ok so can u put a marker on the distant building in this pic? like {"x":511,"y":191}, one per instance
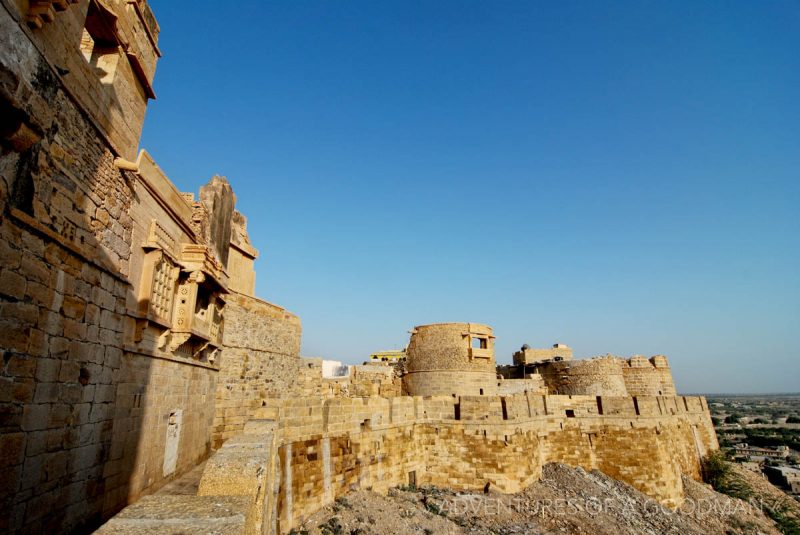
{"x":746,"y":450}
{"x":334,"y":368}
{"x":392,"y":355}
{"x":528,"y":355}
{"x":786,"y":477}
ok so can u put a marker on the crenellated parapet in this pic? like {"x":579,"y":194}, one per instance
{"x":603,"y":375}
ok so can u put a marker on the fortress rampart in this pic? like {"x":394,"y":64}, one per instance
{"x":321,"y":449}
{"x":596,"y":376}
{"x":651,"y":377}
{"x":608,"y":375}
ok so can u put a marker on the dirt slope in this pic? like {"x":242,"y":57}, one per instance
{"x":566,"y":500}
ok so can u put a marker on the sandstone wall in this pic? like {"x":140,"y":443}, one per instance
{"x":112,"y":88}
{"x":600,"y":376}
{"x":260,"y":361}
{"x":645,"y":377}
{"x":328,"y":447}
{"x":533,"y":383}
{"x":360,"y":381}
{"x":64,"y":244}
{"x":162,"y":424}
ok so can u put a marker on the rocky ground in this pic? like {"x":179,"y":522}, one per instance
{"x":565,"y":500}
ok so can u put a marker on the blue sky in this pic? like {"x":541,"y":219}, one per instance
{"x":622,"y":177}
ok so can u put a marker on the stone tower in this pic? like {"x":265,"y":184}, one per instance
{"x":451,"y":359}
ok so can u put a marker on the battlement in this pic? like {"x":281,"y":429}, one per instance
{"x":323,"y":448}
{"x":607,"y":375}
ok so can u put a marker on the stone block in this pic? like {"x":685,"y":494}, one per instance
{"x":73,"y":329}
{"x":59,"y":347}
{"x":40,"y":294}
{"x":59,"y":416}
{"x":92,"y":316}
{"x":14,"y":336}
{"x":19,"y":365}
{"x":73,"y":307}
{"x":33,"y":471}
{"x":12,"y":284}
{"x":9,"y":256}
{"x":47,"y":370}
{"x":12,"y":449}
{"x":10,"y":479}
{"x":35,"y":269}
{"x":50,"y":322}
{"x":38,"y":343}
{"x":47,"y":393}
{"x":26,"y":314}
{"x":186,"y":514}
{"x":69,"y":372}
{"x":110,"y":320}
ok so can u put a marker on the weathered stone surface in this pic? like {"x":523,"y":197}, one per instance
{"x":168,"y":515}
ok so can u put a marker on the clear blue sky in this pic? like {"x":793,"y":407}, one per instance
{"x":622,"y":177}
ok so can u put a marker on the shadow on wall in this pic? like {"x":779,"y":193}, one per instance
{"x":70,"y":399}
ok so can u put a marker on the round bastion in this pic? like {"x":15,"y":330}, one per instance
{"x":451,"y":359}
{"x":599,"y":376}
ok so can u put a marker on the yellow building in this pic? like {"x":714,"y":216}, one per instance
{"x":393,"y":355}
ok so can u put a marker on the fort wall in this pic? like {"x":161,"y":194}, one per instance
{"x":65,"y":236}
{"x":651,"y":377}
{"x":597,"y":376}
{"x":333,"y":446}
{"x":533,"y":384}
{"x":260,"y":360}
{"x":359,"y":381}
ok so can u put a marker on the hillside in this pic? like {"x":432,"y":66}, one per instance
{"x":565,"y":500}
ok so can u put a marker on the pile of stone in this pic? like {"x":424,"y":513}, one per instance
{"x":566,"y":500}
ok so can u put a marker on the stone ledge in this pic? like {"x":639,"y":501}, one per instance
{"x":181,"y":514}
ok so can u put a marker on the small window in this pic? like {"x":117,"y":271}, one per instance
{"x":480,"y":343}
{"x":570,"y":413}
